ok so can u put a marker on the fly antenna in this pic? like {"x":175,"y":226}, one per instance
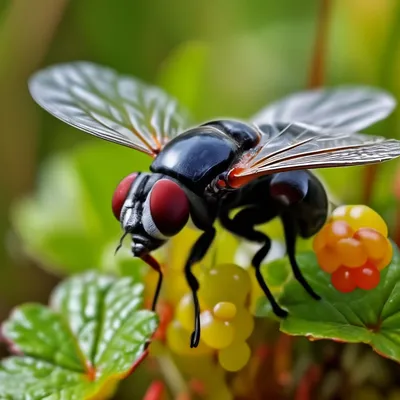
{"x":120,"y":242}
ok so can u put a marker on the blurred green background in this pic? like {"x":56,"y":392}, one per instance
{"x":220,"y":58}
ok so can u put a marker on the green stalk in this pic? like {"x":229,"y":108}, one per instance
{"x":171,"y":373}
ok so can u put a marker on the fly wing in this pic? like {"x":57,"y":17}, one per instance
{"x":348,"y":108}
{"x":108,"y":105}
{"x":300,"y":146}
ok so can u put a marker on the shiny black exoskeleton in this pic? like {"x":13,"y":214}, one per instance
{"x":197,"y":158}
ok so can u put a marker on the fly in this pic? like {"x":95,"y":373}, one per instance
{"x":206,"y":172}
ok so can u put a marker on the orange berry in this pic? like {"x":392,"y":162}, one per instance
{"x":375,"y":244}
{"x":351,"y":252}
{"x":338,"y":230}
{"x":328,"y":260}
{"x":387,"y":258}
{"x":320,"y":238}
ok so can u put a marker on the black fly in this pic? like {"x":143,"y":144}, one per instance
{"x":205,"y":172}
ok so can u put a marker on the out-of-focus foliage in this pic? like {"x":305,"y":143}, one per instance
{"x":77,"y":229}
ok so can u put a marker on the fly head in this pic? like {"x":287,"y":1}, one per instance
{"x":151,"y":209}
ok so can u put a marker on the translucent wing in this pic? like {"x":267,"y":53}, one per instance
{"x":114,"y":107}
{"x":349,"y":108}
{"x":300,"y":146}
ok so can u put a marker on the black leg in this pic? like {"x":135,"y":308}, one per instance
{"x":158,"y":289}
{"x":256,"y":262}
{"x":290,"y":230}
{"x":198,"y":251}
{"x":153,"y":263}
{"x":243,"y":225}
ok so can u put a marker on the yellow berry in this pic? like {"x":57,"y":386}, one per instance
{"x":178,"y":340}
{"x":351,"y":252}
{"x":234,"y":357}
{"x":185,"y":311}
{"x":214,"y":332}
{"x":243,"y":323}
{"x":338,"y":230}
{"x":224,"y":310}
{"x":360,"y":216}
{"x":225,"y":282}
{"x":340,"y":212}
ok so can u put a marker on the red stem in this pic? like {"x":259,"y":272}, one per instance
{"x":138,"y":362}
{"x":156,"y":391}
{"x":308,"y":382}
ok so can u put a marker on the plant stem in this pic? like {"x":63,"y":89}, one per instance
{"x":26,"y":34}
{"x":370,"y":174}
{"x":170,"y":372}
{"x":385,"y":81}
{"x":396,"y":234}
{"x":318,"y":59}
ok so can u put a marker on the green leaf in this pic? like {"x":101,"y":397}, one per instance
{"x":371,"y":317}
{"x":93,"y":335}
{"x":67,"y":224}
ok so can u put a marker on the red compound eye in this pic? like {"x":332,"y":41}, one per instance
{"x":169,"y":207}
{"x":120,"y":194}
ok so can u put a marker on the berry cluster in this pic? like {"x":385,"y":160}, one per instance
{"x":353,"y":247}
{"x":226,"y":322}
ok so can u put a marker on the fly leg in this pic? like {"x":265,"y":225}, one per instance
{"x":289,"y":226}
{"x":198,"y":251}
{"x":156,"y":267}
{"x":242,"y":225}
{"x":256,"y":262}
{"x":153,"y":263}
